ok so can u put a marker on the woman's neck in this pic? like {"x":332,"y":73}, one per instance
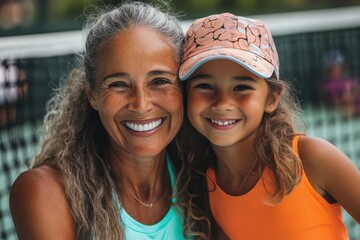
{"x":143,"y":176}
{"x":143,"y":186}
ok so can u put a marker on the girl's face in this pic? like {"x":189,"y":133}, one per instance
{"x":226,"y":102}
{"x":138,"y":95}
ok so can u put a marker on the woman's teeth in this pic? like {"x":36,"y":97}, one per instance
{"x":143,"y":127}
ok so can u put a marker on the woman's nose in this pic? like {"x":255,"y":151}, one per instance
{"x":140,"y":101}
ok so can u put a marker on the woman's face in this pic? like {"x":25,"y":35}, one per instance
{"x":138,"y":95}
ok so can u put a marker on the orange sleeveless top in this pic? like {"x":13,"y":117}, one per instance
{"x":301,"y":215}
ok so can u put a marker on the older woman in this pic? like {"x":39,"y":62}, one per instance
{"x":102,"y":170}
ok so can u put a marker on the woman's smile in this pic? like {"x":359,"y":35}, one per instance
{"x":139,"y":96}
{"x":143,"y":125}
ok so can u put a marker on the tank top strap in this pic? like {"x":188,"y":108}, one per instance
{"x":294,"y":145}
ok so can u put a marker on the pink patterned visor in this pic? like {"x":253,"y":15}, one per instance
{"x":245,"y":41}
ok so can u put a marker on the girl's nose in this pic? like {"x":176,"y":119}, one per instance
{"x":222,"y":103}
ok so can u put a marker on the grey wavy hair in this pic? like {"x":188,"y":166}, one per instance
{"x":74,"y":141}
{"x":127,"y":15}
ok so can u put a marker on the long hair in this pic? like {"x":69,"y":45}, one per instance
{"x":273,"y":143}
{"x":272,"y":146}
{"x":74,"y":140}
{"x":192,"y":194}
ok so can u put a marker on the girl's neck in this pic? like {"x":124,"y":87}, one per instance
{"x":240,"y":155}
{"x":237,"y":167}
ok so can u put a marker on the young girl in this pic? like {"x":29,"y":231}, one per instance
{"x":265,"y":180}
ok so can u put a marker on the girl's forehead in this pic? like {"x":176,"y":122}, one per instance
{"x":223,"y":69}
{"x":223,"y":65}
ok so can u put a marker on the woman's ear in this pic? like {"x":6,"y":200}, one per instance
{"x":273,"y":100}
{"x":90,"y":96}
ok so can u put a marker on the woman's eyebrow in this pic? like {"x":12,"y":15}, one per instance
{"x":125,"y":75}
{"x":161,"y":72}
{"x":116,"y":75}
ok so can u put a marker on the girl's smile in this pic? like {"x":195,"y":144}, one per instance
{"x":223,"y":124}
{"x":226,"y":102}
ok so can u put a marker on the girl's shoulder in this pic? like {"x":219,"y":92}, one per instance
{"x":312,"y":153}
{"x":313,"y":147}
{"x":329,"y":170}
{"x":38,"y":205}
{"x":318,"y":153}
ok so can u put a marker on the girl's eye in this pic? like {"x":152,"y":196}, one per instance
{"x":203,"y":86}
{"x":242,"y":87}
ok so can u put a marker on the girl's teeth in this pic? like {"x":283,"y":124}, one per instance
{"x":143,"y":127}
{"x":222,"y":123}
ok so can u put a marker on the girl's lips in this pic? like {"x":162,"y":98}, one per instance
{"x":143,"y":126}
{"x":223,"y":123}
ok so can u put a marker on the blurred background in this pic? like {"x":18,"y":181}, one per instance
{"x":318,"y":45}
{"x":18,"y":17}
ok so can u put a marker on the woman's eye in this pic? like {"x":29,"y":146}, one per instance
{"x":118,"y":84}
{"x":160,"y":81}
{"x":203,"y":86}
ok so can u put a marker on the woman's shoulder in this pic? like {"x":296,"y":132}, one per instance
{"x":38,"y":204}
{"x":41,"y":179}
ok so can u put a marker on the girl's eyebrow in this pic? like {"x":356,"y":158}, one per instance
{"x":208,"y":76}
{"x":244,"y":78}
{"x":200,"y":77}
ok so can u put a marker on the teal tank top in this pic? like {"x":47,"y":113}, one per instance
{"x":170,"y":227}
